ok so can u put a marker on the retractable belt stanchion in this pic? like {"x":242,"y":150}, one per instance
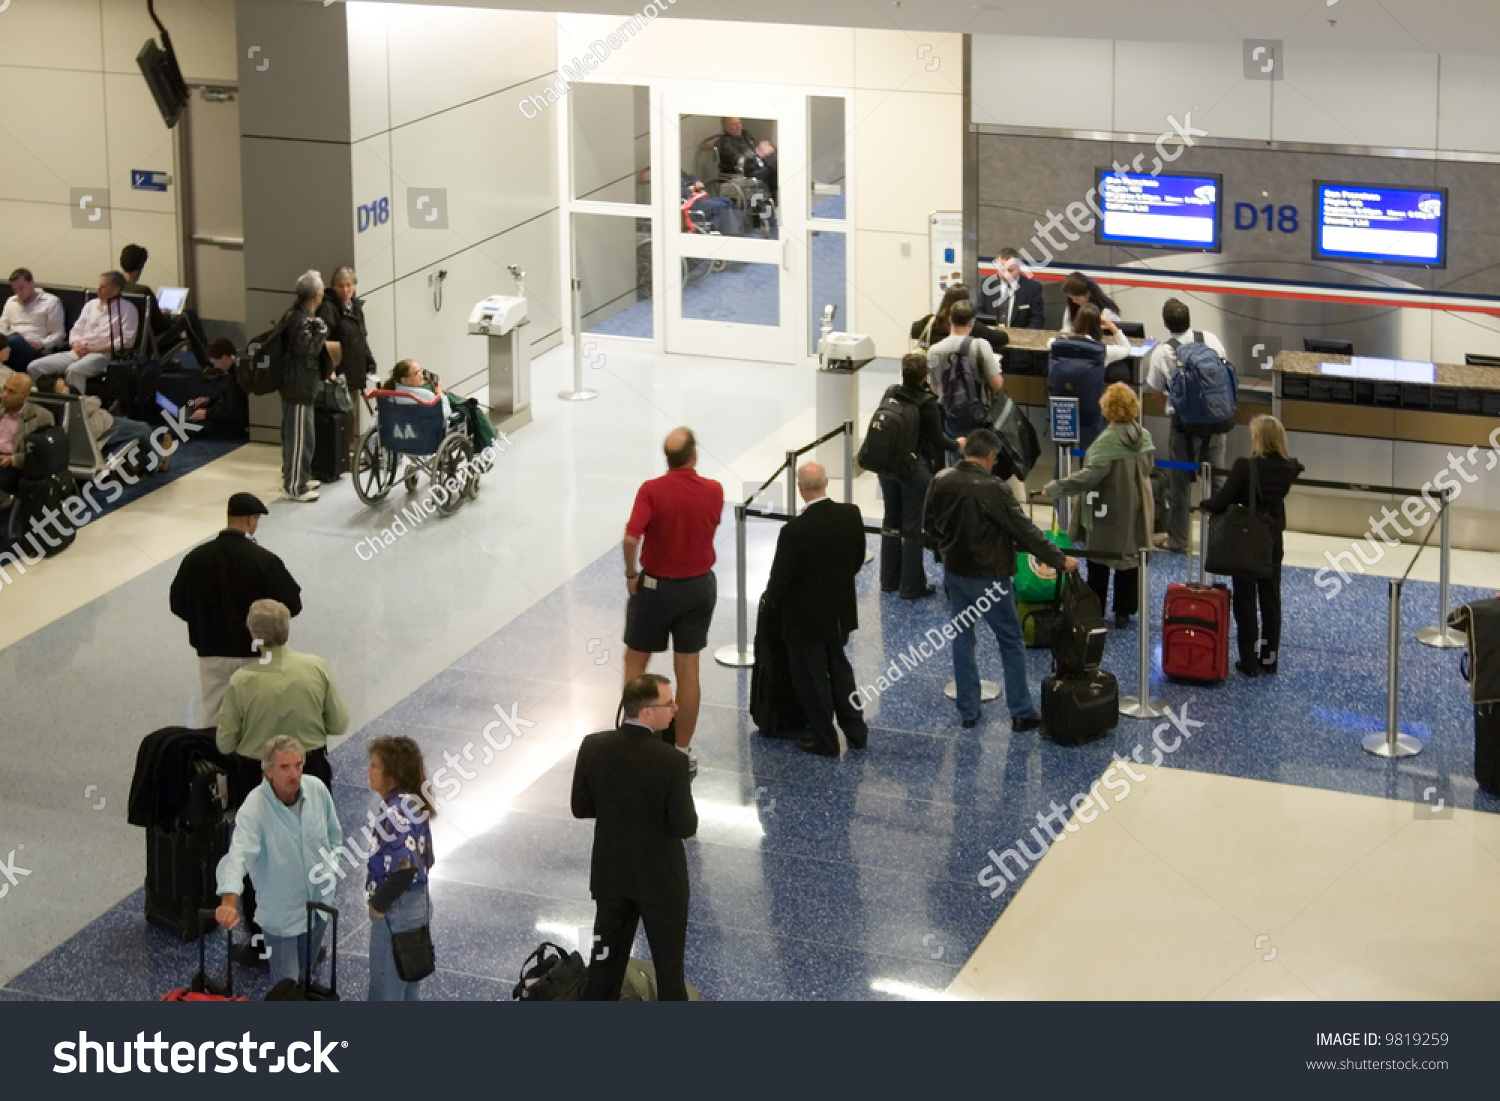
{"x":848,"y":462}
{"x":742,"y":654}
{"x":1442,"y":636}
{"x":578,"y":393}
{"x":791,"y":483}
{"x":1061,"y":508}
{"x":1141,"y":705}
{"x":1393,"y":743}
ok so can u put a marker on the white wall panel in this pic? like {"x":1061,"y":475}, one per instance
{"x":55,"y":34}
{"x":42,"y":159}
{"x":493,"y":184}
{"x":1007,"y":89}
{"x":1469,"y":89}
{"x":1454,"y":335}
{"x":1154,"y":80}
{"x":909,"y":61}
{"x":202,"y":35}
{"x":890,"y":290}
{"x":40,"y":236}
{"x":901,"y":201}
{"x":1346,"y":98}
{"x":137,"y":139}
{"x":444,"y":56}
{"x":374,"y":247}
{"x":369,"y":70}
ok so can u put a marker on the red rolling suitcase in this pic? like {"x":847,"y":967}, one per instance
{"x":202,"y":988}
{"x":1195,"y":626}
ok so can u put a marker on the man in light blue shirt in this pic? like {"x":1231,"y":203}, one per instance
{"x":279,"y":833}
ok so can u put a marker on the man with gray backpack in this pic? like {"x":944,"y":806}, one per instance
{"x":965,"y":372}
{"x":1193,"y":370}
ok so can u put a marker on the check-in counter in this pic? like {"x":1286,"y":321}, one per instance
{"x":1394,"y":423}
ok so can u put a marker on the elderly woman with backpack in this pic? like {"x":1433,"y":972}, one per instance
{"x":905,"y":444}
{"x":1114,"y":518}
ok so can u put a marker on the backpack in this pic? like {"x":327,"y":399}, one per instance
{"x":890,"y":443}
{"x":963,"y":400}
{"x":1018,"y":440}
{"x":261,"y":367}
{"x":1076,"y":368}
{"x":1203,"y":388}
{"x":1078,"y":639}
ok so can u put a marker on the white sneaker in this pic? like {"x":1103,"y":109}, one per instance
{"x":310,"y":495}
{"x":313,"y":483}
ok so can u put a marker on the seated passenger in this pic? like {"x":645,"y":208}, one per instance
{"x":720,"y":211}
{"x":18,"y":418}
{"x":31,"y":323}
{"x":169,"y":331}
{"x":935,"y":327}
{"x":736,"y":148}
{"x":227,"y":416}
{"x":106,"y":326}
{"x":409,"y":378}
{"x":111,"y":433}
{"x":766,"y":173}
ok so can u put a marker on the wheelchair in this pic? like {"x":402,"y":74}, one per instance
{"x":408,"y":427}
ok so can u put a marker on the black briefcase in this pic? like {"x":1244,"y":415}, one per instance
{"x":1080,"y":708}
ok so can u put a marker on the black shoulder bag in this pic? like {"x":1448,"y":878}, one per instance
{"x":1240,"y":539}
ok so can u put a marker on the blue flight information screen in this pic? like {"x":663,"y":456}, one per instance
{"x":1179,"y":212}
{"x":1381,"y":225}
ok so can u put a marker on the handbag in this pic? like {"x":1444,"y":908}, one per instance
{"x":415,"y":957}
{"x":1241,"y":540}
{"x":334,"y":394}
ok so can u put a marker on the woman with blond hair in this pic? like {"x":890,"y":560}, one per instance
{"x":1273,"y":470}
{"x":1114,"y":516}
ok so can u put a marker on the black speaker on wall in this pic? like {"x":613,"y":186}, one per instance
{"x":158,"y":64}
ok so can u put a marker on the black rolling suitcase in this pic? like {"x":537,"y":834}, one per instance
{"x":34,"y":496}
{"x":1080,"y":707}
{"x":330,"y":444}
{"x":181,"y":860}
{"x":1487,"y":746}
{"x":306,"y":989}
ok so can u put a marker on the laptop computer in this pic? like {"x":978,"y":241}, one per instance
{"x":168,"y":406}
{"x":171,"y":300}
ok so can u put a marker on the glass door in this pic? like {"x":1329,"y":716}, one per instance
{"x":736,"y":272}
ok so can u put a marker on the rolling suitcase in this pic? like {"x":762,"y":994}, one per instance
{"x":182,"y":861}
{"x":1487,"y":746}
{"x":34,"y":496}
{"x":202,"y":988}
{"x":305,"y":989}
{"x":1195,"y":625}
{"x":1081,"y":707}
{"x":330,"y":459}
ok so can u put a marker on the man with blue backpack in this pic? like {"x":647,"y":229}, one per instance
{"x":1193,"y":370}
{"x":965,"y":372}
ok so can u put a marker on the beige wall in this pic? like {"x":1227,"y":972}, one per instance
{"x":78,"y":114}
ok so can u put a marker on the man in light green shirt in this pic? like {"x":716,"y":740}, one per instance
{"x":281,"y":692}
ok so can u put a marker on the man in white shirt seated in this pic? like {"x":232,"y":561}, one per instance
{"x":106,"y":327}
{"x":31,"y":323}
{"x":1184,"y":446}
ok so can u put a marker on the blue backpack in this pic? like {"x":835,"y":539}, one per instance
{"x":1203,"y":388}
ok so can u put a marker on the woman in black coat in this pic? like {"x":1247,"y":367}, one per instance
{"x":1275,"y":471}
{"x":902,"y":562}
{"x":344,"y":314}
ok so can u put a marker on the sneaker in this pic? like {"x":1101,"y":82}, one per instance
{"x":1026,"y":722}
{"x":313,"y":483}
{"x":305,"y":498}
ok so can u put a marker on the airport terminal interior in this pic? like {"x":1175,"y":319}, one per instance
{"x":606,"y":223}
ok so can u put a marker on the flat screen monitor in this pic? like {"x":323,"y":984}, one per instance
{"x":1178,"y":212}
{"x":1381,"y":225}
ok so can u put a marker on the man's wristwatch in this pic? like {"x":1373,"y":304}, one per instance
{"x":631,"y":576}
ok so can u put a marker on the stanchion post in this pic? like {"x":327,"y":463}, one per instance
{"x":1442,"y":636}
{"x":1205,"y":491}
{"x":791,"y":483}
{"x":578,"y":393}
{"x":1393,"y":743}
{"x":848,"y":462}
{"x":1062,"y":507}
{"x":1141,"y":705}
{"x":742,"y":654}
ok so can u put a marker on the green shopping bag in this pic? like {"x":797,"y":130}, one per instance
{"x":1036,"y":582}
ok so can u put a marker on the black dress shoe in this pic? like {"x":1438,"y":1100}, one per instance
{"x":1268,"y":668}
{"x":1026,"y":722}
{"x":858,"y":738}
{"x":1248,"y":668}
{"x":890,"y":588}
{"x":969,"y":724}
{"x":1121,"y":622}
{"x":808,"y":745}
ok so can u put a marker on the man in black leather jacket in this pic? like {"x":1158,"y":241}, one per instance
{"x":978,"y":527}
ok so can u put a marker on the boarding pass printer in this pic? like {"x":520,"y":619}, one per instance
{"x":502,"y":319}
{"x":840,"y":356}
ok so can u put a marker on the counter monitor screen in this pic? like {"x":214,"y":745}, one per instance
{"x":1383,"y":370}
{"x":1381,"y":225}
{"x":1184,"y":213}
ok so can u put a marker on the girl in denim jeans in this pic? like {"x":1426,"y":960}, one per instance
{"x":397,"y":882}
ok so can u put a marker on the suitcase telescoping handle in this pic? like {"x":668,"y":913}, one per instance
{"x":212,"y":920}
{"x":333,"y":948}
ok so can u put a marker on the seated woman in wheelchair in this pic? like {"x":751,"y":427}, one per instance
{"x":409,"y":377}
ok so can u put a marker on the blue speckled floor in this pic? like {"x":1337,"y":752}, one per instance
{"x":814,"y":878}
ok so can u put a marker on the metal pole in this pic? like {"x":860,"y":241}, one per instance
{"x":849,"y":469}
{"x":1141,"y":705}
{"x":578,"y":393}
{"x":1205,"y":491}
{"x":1061,"y":507}
{"x":1442,"y":636}
{"x":742,"y":654}
{"x":1393,"y":743}
{"x":791,"y":483}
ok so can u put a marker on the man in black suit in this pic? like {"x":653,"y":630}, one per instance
{"x":637,"y":789}
{"x":1019,"y":301}
{"x":812,"y":588}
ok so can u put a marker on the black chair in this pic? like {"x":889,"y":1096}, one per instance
{"x":1474,"y":359}
{"x":1328,"y":347}
{"x":72,"y":299}
{"x":1135,"y":330}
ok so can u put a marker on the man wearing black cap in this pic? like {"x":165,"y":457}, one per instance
{"x":213,"y":590}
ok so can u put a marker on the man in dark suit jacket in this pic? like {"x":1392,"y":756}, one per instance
{"x":637,"y":789}
{"x":1019,"y":302}
{"x":812,"y":588}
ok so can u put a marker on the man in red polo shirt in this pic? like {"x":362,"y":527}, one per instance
{"x":672,"y":589}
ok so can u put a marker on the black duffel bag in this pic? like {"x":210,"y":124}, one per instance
{"x":551,"y":974}
{"x":1241,"y":540}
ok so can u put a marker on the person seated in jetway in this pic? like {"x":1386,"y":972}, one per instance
{"x":111,"y":433}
